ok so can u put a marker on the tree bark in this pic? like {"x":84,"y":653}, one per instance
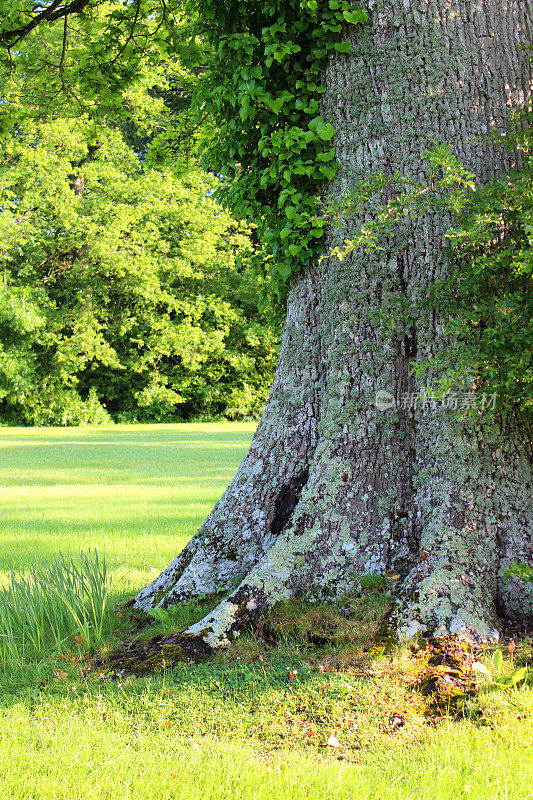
{"x":333,"y":487}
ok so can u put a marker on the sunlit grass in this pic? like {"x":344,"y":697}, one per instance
{"x":253,"y":723}
{"x":137,"y":494}
{"x":242,"y":730}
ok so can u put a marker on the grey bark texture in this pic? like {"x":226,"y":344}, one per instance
{"x":333,"y":487}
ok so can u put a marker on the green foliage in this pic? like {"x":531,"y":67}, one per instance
{"x":47,"y":606}
{"x":87,"y":58}
{"x":488,"y":291}
{"x":131,"y":65}
{"x":494,"y":677}
{"x":273,"y":147}
{"x":520,"y":570}
{"x":372,"y":580}
{"x":125,"y":290}
{"x":493,"y":302}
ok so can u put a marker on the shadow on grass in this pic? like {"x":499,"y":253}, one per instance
{"x":290,"y":696}
{"x":273,"y":690}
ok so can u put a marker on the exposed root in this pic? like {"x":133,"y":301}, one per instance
{"x":160,"y":652}
{"x":451,"y":588}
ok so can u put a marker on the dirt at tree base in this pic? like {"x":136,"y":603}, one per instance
{"x":160,"y":652}
{"x":445,"y":679}
{"x":448,"y":679}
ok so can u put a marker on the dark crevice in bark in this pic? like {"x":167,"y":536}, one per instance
{"x":409,"y":343}
{"x":401,"y":267}
{"x":513,"y":625}
{"x":287,"y":501}
{"x":403,"y":518}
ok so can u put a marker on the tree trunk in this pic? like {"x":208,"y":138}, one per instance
{"x":333,"y":487}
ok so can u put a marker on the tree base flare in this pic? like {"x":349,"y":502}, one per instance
{"x":337,"y":485}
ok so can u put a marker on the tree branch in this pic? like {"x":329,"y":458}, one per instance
{"x":130,"y":37}
{"x":63,"y":52}
{"x":53,"y":12}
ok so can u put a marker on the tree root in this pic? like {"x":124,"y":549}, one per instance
{"x":160,"y":652}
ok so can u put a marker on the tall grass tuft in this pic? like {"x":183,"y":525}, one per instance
{"x":46,"y":607}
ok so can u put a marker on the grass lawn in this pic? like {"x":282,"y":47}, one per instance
{"x":137,"y":493}
{"x":254,"y":723}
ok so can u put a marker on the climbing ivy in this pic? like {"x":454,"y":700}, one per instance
{"x":271,"y":147}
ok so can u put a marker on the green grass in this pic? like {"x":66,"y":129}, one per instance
{"x":253,"y":723}
{"x":51,"y":607}
{"x":136,"y":494}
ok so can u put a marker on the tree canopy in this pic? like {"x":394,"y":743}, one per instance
{"x":127,"y":290}
{"x":123,"y":284}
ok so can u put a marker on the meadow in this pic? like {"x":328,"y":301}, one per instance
{"x":258,"y":721}
{"x":136,"y":493}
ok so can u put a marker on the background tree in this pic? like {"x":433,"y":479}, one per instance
{"x":136,"y":294}
{"x":81,"y":57}
{"x":125,"y":290}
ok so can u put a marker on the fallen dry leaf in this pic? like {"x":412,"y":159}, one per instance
{"x":396,"y":721}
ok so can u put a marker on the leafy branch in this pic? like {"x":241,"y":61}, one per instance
{"x":274,"y":151}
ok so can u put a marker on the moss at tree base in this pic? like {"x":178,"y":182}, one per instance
{"x":448,"y":680}
{"x":160,"y":652}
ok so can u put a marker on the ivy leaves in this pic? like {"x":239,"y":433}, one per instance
{"x":275,"y":149}
{"x":357,"y":17}
{"x":324,"y":130}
